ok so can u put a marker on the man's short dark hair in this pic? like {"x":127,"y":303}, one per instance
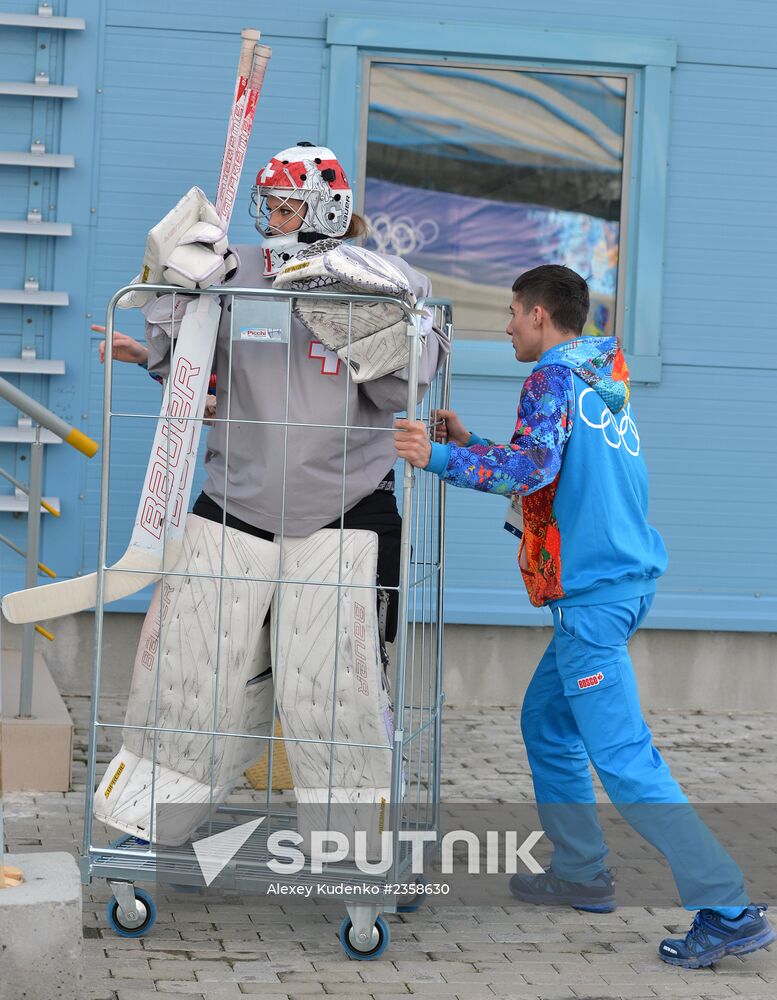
{"x":558,"y":289}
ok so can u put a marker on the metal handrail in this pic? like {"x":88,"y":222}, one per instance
{"x":43,"y":417}
{"x":47,"y":418}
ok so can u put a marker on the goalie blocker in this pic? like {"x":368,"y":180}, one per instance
{"x":187,"y":248}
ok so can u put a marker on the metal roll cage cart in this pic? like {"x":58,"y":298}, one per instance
{"x":416,"y":692}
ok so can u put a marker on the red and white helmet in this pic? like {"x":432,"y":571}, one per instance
{"x":307,"y":173}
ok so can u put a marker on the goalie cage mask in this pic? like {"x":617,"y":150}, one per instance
{"x":313,"y":175}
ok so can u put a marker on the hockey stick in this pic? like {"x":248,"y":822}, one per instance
{"x":159,"y":525}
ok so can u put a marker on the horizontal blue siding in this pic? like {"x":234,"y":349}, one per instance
{"x":741,"y":34}
{"x":156,"y":83}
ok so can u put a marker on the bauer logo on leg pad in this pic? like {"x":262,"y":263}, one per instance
{"x":591,"y":681}
{"x":360,"y":634}
{"x":150,"y":638}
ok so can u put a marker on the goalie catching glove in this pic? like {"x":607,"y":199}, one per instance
{"x":188,"y":247}
{"x":378,"y":342}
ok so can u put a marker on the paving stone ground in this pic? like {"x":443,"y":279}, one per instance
{"x":200,"y":948}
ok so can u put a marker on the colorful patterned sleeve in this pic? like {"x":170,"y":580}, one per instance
{"x":153,"y":375}
{"x":533,"y":457}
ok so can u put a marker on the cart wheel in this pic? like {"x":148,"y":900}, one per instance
{"x":375,"y":947}
{"x":413,"y":902}
{"x":145,"y":915}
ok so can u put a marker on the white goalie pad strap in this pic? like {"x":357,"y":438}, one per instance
{"x":174,"y":684}
{"x":186,"y":247}
{"x":330,"y":667}
{"x":258,"y":694}
{"x":212,"y":233}
{"x":194,"y":266}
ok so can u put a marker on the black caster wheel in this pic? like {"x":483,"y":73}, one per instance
{"x":368,"y":950}
{"x":141,"y":921}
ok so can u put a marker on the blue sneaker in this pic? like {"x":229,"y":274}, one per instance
{"x":712,"y":936}
{"x":596,"y":896}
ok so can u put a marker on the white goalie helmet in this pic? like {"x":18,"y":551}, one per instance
{"x":309,"y":174}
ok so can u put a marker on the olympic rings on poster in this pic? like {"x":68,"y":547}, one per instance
{"x":402,"y":236}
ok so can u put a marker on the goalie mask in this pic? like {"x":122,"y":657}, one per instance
{"x":308,"y":185}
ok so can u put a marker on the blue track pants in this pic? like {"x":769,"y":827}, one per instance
{"x":581,"y":706}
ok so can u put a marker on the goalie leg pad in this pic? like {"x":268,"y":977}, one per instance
{"x":174,"y":686}
{"x":258,"y":706}
{"x":331,"y":667}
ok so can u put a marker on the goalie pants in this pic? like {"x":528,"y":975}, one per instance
{"x":376,"y":512}
{"x":582,"y":707}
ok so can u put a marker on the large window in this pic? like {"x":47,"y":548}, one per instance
{"x":561,"y":136}
{"x":475,"y":174}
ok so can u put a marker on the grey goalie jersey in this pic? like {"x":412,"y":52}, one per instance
{"x":288,"y":400}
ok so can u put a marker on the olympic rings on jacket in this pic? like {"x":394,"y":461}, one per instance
{"x":617,"y":430}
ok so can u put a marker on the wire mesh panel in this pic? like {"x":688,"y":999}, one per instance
{"x":296,"y":621}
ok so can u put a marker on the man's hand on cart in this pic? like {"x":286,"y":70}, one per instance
{"x":412,"y":442}
{"x":125,"y":348}
{"x":446,"y":426}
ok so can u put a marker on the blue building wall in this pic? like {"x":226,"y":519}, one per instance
{"x":154,"y":90}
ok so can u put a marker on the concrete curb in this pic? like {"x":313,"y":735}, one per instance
{"x":41,"y":935}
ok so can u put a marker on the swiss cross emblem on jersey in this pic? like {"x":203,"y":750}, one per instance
{"x":330,"y":363}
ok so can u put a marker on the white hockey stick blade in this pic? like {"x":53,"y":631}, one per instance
{"x":161,"y":518}
{"x":67,"y":597}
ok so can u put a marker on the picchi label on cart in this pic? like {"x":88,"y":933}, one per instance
{"x":265,"y":333}
{"x":114,"y":779}
{"x":260,"y":321}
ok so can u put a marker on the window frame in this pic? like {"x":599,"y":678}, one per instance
{"x":354,"y":42}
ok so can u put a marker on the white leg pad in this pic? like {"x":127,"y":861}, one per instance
{"x":313,"y":644}
{"x":175,"y":686}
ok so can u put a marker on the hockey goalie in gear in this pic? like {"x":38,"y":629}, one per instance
{"x":308,"y":184}
{"x":371,"y":337}
{"x":330,"y":686}
{"x":187,"y":248}
{"x":183,"y":775}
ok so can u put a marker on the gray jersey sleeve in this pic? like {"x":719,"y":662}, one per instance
{"x":390,"y":391}
{"x":161,"y":326}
